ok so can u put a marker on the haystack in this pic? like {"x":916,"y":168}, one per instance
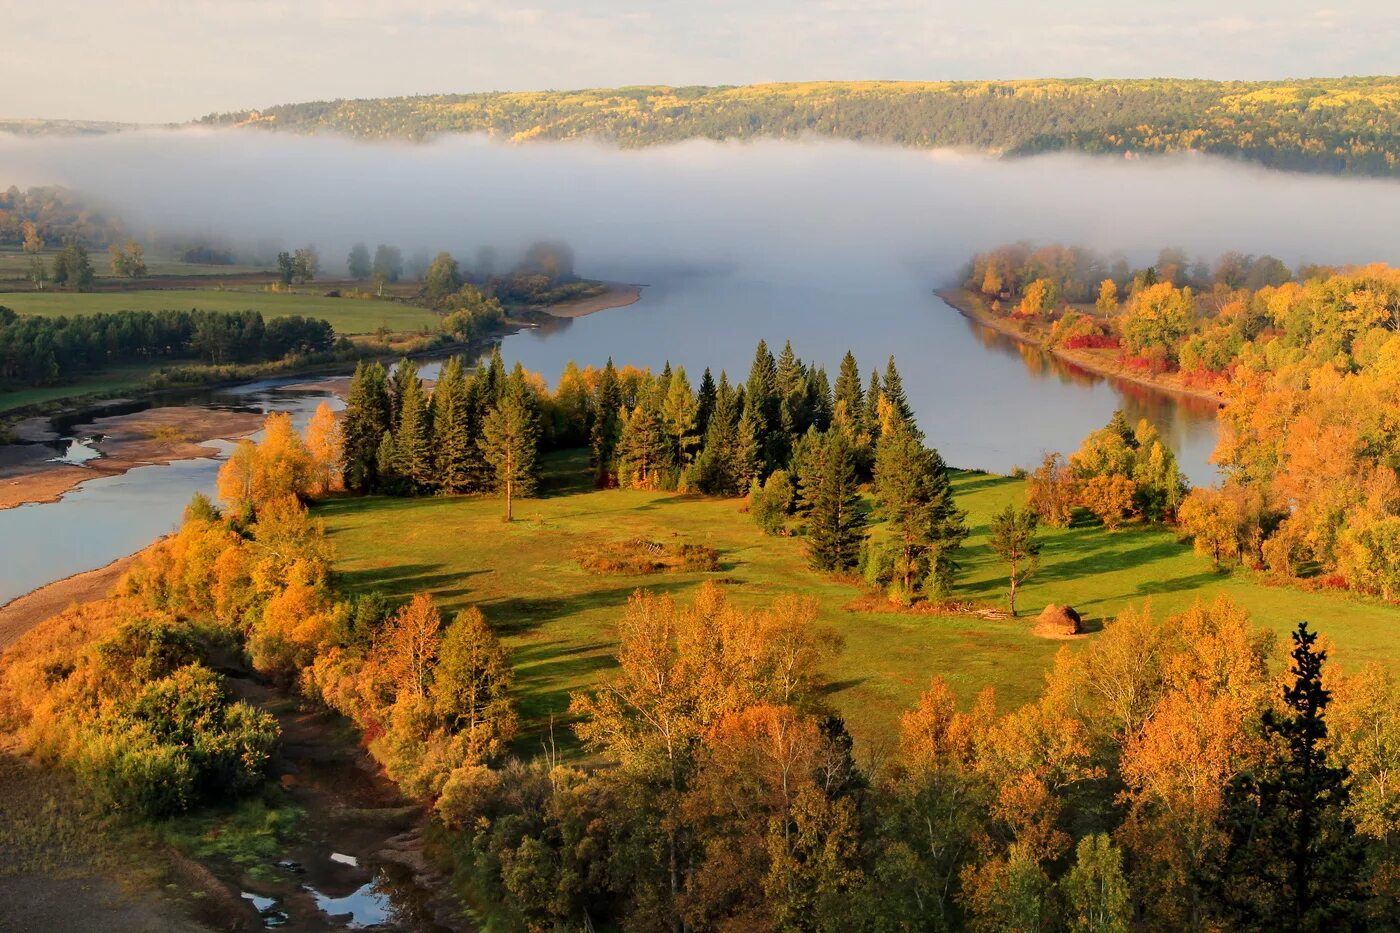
{"x":1058,"y":622}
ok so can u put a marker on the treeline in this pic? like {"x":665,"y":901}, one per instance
{"x":786,"y":438}
{"x":544,"y":275}
{"x":1334,"y":125}
{"x":1309,"y":366}
{"x":39,"y":351}
{"x":42,"y":217}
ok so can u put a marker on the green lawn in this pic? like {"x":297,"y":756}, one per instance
{"x":116,"y":379}
{"x":560,"y":622}
{"x":15,"y":263}
{"x":346,"y":315}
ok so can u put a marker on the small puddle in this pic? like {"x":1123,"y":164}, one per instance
{"x":76,"y":450}
{"x":364,"y":908}
{"x":268,"y":910}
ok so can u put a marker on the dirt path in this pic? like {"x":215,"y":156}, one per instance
{"x":62,"y":869}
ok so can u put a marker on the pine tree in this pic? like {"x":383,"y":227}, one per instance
{"x":914,"y":497}
{"x":679,"y":412}
{"x":413,"y":439}
{"x":835,"y":522}
{"x":848,"y":406}
{"x":1294,"y":861}
{"x":454,"y":446}
{"x":510,"y":439}
{"x":895,"y":405}
{"x":607,"y":426}
{"x":705,"y":403}
{"x":365,"y":423}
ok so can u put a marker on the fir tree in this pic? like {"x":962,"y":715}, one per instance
{"x":705,"y":403}
{"x":413,"y":439}
{"x":762,"y":404}
{"x":510,"y":439}
{"x":848,"y":405}
{"x":835,"y":522}
{"x":403,"y":372}
{"x":365,"y":422}
{"x":914,"y":497}
{"x":718,"y":476}
{"x":607,"y":426}
{"x":644,"y":454}
{"x":1294,"y":862}
{"x":748,"y":450}
{"x":454,"y":446}
{"x":896,"y":406}
{"x":872,"y":404}
{"x":679,"y":413}
{"x":819,"y":401}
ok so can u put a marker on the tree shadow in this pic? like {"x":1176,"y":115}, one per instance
{"x":406,"y":579}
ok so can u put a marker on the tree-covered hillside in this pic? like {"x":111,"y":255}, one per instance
{"x":1338,"y":125}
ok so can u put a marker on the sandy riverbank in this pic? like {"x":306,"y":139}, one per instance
{"x":1100,"y":362}
{"x":158,"y":435}
{"x":616,"y":295}
{"x":22,"y":613}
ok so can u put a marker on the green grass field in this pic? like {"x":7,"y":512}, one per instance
{"x":346,"y":315}
{"x":561,"y":622}
{"x":115,"y":379}
{"x":15,"y":263}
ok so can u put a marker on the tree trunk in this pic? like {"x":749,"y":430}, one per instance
{"x":1011,"y":598}
{"x":509,"y":490}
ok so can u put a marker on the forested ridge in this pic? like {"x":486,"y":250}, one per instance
{"x":1338,"y":125}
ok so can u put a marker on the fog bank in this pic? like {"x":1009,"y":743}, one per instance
{"x":809,"y":209}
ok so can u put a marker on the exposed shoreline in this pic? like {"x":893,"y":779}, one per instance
{"x":1098,"y":362}
{"x":155,"y":436}
{"x":616,"y":295}
{"x":22,"y":613}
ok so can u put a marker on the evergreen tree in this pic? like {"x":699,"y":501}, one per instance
{"x":748,"y":450}
{"x":762,"y":405}
{"x":848,"y":404}
{"x":718,"y":475}
{"x":645,"y":455}
{"x":510,"y":439}
{"x":454,"y":447}
{"x":607,"y":425}
{"x":413,"y":438}
{"x":705,"y":403}
{"x":365,"y":423}
{"x":915,"y":499}
{"x":819,"y":401}
{"x":872,"y":404}
{"x":808,"y":464}
{"x":835,"y":522}
{"x":1295,"y":861}
{"x":679,"y":413}
{"x":895,"y":405}
{"x":402,"y":374}
{"x":386,"y":468}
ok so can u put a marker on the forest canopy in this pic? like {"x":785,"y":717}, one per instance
{"x":1330,"y":125}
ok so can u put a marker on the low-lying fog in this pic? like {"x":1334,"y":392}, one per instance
{"x":824,"y":208}
{"x":834,"y":245}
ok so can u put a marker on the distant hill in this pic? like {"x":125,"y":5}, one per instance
{"x":1331,"y":125}
{"x":62,"y":127}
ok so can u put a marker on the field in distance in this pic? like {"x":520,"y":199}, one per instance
{"x":560,"y":621}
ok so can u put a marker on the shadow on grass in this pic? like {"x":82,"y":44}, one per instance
{"x":407,"y":579}
{"x":515,"y":616}
{"x":975,"y":482}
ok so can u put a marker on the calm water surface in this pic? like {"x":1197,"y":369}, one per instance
{"x":981,"y":398}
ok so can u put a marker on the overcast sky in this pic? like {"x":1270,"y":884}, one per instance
{"x":162,"y":60}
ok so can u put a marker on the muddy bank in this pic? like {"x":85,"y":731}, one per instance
{"x":616,"y":295}
{"x":35,"y":471}
{"x":1099,"y":362}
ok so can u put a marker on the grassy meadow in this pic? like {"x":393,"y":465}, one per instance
{"x":347,"y":315}
{"x":561,"y":622}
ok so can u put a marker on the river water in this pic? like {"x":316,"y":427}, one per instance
{"x":982,"y":399}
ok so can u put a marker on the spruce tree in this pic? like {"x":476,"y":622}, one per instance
{"x":872,"y":405}
{"x":510,"y":440}
{"x":413,"y":439}
{"x":717,"y":457}
{"x":892,"y":392}
{"x":679,"y":413}
{"x":762,"y":404}
{"x":748,"y":450}
{"x":607,"y":426}
{"x":835,"y":522}
{"x":365,"y":422}
{"x":454,"y":448}
{"x":915,"y":499}
{"x":848,"y":405}
{"x":1294,"y":861}
{"x":645,"y":457}
{"x":705,"y":403}
{"x":819,"y":401}
{"x":399,"y":377}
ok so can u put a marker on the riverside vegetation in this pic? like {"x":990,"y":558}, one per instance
{"x":1175,"y":770}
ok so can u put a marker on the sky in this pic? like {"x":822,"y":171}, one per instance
{"x":162,"y":60}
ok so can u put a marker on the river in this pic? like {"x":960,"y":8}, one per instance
{"x":982,"y":399}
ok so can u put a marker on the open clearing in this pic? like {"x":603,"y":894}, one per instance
{"x":561,"y":622}
{"x":346,"y":315}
